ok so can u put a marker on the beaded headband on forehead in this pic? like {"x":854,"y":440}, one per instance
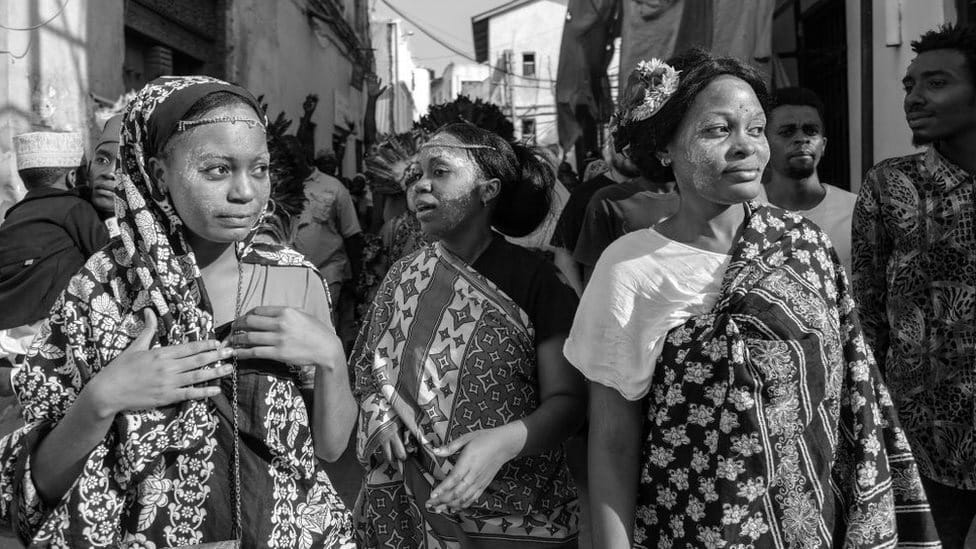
{"x":184,"y":125}
{"x":170,"y":98}
{"x":441,"y":144}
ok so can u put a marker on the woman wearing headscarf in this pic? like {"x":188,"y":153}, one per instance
{"x":465,"y":397}
{"x":143,"y":428}
{"x":734,"y":402}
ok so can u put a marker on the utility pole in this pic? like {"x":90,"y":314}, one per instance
{"x":392,"y":50}
{"x":509,"y":93}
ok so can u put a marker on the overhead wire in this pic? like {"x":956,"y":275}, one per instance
{"x":39,"y":25}
{"x":30,"y":38}
{"x":453,"y":48}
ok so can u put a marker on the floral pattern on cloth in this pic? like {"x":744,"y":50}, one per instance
{"x":159,"y":476}
{"x":446,"y":353}
{"x":914,"y":265}
{"x":768,"y":424}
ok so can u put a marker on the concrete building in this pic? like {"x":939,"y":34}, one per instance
{"x":468,"y":79}
{"x":407,"y":98}
{"x":89,"y":52}
{"x":520,"y":40}
{"x":420,"y":84}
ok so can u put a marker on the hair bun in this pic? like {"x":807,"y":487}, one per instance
{"x":525,"y":204}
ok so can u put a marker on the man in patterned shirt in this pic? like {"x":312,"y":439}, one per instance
{"x":914,"y":262}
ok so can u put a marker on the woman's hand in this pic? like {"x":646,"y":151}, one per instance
{"x":141,"y":378}
{"x":393,"y":444}
{"x":287,"y":335}
{"x":484,"y":454}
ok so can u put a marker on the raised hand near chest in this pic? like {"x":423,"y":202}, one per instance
{"x":141,"y":377}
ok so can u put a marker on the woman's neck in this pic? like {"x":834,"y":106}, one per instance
{"x":705,"y":225}
{"x":468,"y":243}
{"x":220,"y":276}
{"x":212,"y":255}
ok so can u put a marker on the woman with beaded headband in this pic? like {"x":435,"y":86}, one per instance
{"x":161,"y":397}
{"x":734,"y":402}
{"x":465,"y":398}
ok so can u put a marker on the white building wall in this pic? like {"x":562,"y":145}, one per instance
{"x":420,"y":87}
{"x":44,"y":75}
{"x":460,"y":78}
{"x":280,"y":55}
{"x":534,"y":27}
{"x":396,"y":68}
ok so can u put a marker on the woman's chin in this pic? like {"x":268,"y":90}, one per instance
{"x":744,"y":192}
{"x":430,"y":227}
{"x":219,"y":236}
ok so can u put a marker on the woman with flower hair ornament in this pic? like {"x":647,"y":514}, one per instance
{"x":734,"y":402}
{"x":161,"y":397}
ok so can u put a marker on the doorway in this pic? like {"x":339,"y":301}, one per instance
{"x":822,"y":66}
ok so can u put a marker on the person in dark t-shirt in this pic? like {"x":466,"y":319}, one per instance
{"x":570,"y":222}
{"x":634,"y":202}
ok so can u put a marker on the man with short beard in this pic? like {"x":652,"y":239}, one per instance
{"x":795,"y":131}
{"x":914,"y":241}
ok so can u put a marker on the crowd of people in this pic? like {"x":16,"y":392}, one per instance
{"x":698,"y":343}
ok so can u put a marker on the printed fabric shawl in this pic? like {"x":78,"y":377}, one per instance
{"x":768,"y":423}
{"x":93,"y":321}
{"x":446,"y":353}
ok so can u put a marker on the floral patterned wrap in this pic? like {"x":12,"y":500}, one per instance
{"x":446,"y":353}
{"x":161,"y":477}
{"x":768,"y":424}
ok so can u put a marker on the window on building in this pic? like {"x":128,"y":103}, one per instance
{"x":528,"y":128}
{"x":528,"y":63}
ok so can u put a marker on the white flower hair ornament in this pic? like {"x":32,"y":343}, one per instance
{"x":662,"y":81}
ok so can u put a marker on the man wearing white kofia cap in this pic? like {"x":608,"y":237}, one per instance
{"x":44,"y":239}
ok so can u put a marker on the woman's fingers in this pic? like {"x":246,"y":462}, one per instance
{"x":472,"y":497}
{"x":255,"y":322}
{"x":203,"y":375}
{"x":197,"y":393}
{"x":445,"y":490}
{"x":267,"y":310}
{"x":194,"y":362}
{"x":192,"y":348}
{"x":254,"y":339}
{"x":145,"y":337}
{"x":455,"y":445}
{"x":454,"y":497}
{"x":398,"y":450}
{"x":249,"y":353}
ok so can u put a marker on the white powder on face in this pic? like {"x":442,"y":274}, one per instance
{"x":456,"y":193}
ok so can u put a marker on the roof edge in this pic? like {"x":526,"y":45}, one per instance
{"x":499,"y":10}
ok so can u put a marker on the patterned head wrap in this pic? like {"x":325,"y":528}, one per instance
{"x":100,"y":313}
{"x":165,"y":270}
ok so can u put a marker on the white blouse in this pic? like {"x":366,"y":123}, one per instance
{"x":644,"y":285}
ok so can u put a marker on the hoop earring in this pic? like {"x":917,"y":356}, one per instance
{"x":665,"y":161}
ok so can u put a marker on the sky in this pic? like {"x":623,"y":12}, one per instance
{"x":450,"y":20}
